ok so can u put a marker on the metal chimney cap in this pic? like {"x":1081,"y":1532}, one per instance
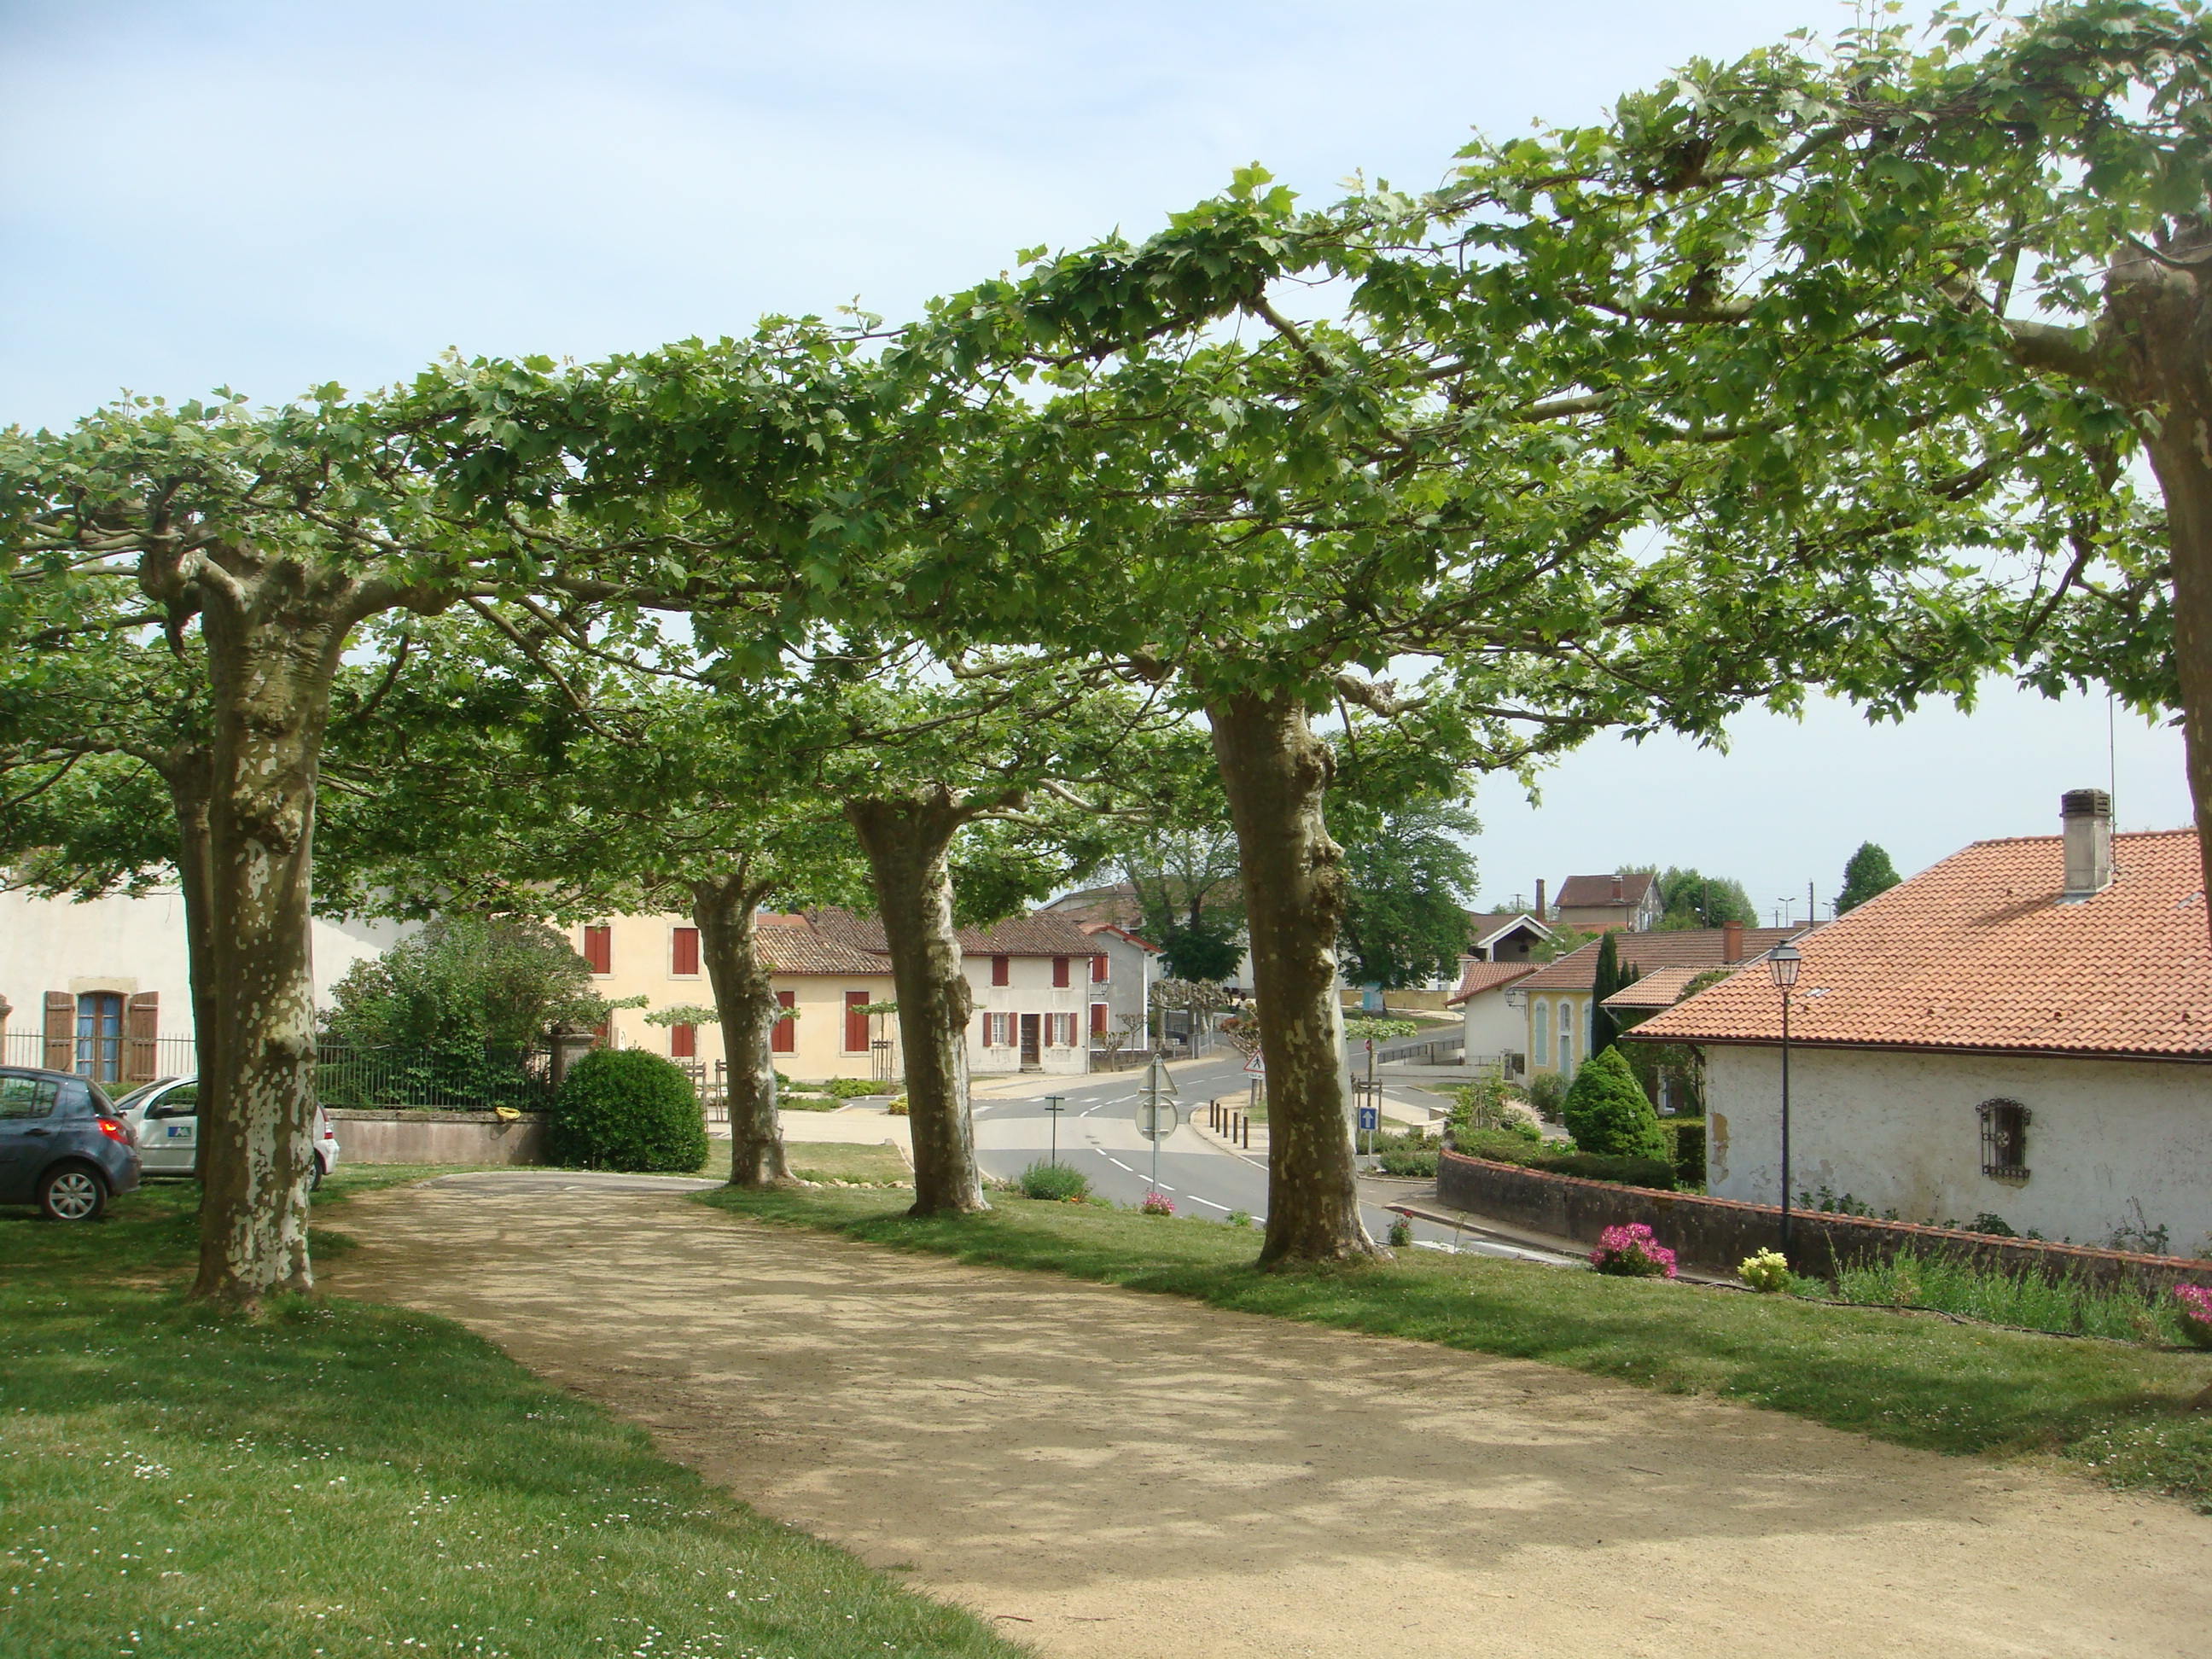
{"x":2085,"y":804}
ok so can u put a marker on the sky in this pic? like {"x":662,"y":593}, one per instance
{"x":272,"y":196}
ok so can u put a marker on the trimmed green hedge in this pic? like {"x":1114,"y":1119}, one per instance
{"x":1501,"y":1147}
{"x":624,"y":1108}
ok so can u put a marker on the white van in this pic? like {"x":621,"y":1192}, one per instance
{"x":164,"y":1119}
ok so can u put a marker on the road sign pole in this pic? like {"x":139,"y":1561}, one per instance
{"x":1052,"y":1107}
{"x":1152,"y":1095}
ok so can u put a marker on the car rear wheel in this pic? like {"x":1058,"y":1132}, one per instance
{"x":316,"y":1179}
{"x":73,"y":1193}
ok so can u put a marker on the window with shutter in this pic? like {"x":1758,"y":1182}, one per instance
{"x":682,"y":1041}
{"x":1102,"y":968}
{"x":783,"y":1036}
{"x":999,"y":970}
{"x":141,"y":1034}
{"x":856,"y":1023}
{"x":1098,"y":1019}
{"x":1060,"y":973}
{"x":599,"y":949}
{"x":61,"y":1032}
{"x":684,"y":952}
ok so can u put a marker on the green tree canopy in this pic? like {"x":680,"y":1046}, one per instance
{"x":1409,"y":880}
{"x":498,"y":981}
{"x":1690,"y":898}
{"x":1869,"y":871}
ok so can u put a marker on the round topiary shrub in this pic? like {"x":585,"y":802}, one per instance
{"x":1608,"y":1113}
{"x":623,"y":1109}
{"x":1056,"y":1181}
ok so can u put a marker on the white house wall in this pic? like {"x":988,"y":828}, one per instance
{"x":1493,"y":1026}
{"x":133,"y":945}
{"x":1029,"y":990}
{"x":1899,"y":1131}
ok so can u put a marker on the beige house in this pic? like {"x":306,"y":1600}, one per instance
{"x":1039,"y":985}
{"x":1598,"y":904}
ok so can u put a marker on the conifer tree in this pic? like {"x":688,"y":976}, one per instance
{"x":1869,"y":872}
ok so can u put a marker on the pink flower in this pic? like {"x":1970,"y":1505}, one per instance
{"x":1157,"y":1204}
{"x":2193,"y":1307}
{"x":1632,"y":1251}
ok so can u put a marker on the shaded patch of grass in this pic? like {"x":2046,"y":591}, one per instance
{"x":2121,"y":1409}
{"x":346,"y":1479}
{"x":2125,"y":1313}
{"x":830,"y":1160}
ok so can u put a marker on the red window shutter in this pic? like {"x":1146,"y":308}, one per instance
{"x":783,"y":1036}
{"x":1060,"y":973}
{"x":999,"y":974}
{"x":986,"y":1039}
{"x":1100,"y":970}
{"x":856,"y":1023}
{"x":1098,"y":1019}
{"x":142,"y":1031}
{"x":684,"y":951}
{"x":61,"y":1032}
{"x":599,"y":949}
{"x":682,"y":1041}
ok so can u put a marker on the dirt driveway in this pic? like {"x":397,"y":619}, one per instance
{"x":1113,"y":1473}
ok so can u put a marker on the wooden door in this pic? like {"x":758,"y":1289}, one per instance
{"x":1032,"y":1053}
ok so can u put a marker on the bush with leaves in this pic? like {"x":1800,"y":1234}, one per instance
{"x":1487,"y":1104}
{"x":1056,"y":1181}
{"x":1766,"y":1271}
{"x":625,"y":1109}
{"x":1547,"y":1094}
{"x":1608,"y":1113}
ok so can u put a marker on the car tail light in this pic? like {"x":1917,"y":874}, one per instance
{"x":116,"y":1129}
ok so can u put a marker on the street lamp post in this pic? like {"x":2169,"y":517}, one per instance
{"x":1781,"y":961}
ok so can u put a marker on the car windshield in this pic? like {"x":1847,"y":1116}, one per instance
{"x":138,"y":1096}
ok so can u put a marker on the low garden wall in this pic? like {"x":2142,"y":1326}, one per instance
{"x":419,"y":1136}
{"x":1717,"y":1233}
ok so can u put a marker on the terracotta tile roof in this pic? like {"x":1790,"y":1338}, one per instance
{"x":1587,"y":892}
{"x":1692,"y":947}
{"x":1047,"y":933}
{"x":789,"y":946}
{"x":1488,"y":923}
{"x":1120,"y":933}
{"x":1476,"y":977}
{"x":1661,"y":986}
{"x":1978,"y":953}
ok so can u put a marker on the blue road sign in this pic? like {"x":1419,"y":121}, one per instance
{"x":1369,"y":1120}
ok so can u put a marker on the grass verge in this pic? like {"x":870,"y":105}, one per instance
{"x":2120,"y":1409}
{"x":346,"y":1479}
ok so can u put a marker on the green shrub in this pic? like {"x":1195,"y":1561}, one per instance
{"x":1408,"y":1162}
{"x":624,"y":1108}
{"x":1687,"y":1137}
{"x":1765,"y":1272}
{"x":1547,"y":1093}
{"x":1238,"y":1219}
{"x":1503,"y":1147}
{"x":1056,"y":1181}
{"x":853,"y":1088}
{"x":1608,"y":1113}
{"x":2073,"y":1307}
{"x":1401,"y":1233}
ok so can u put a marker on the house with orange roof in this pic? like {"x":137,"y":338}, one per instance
{"x":1555,"y":1001}
{"x":2023,"y":1030}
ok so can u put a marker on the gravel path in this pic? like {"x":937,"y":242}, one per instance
{"x":1115,"y":1474}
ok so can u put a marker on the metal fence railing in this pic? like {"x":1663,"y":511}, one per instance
{"x":462,"y":1078}
{"x":124,"y":1060}
{"x":1433,"y":1051}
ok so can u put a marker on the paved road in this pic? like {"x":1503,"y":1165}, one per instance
{"x":1097,"y":1134}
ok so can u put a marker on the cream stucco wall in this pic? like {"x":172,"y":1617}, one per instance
{"x":1543,"y":1007}
{"x":1029,"y":990}
{"x":1493,"y":1025}
{"x":1898,"y":1131}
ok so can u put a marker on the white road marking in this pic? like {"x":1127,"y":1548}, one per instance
{"x":1209,"y":1204}
{"x":1118,"y":1164}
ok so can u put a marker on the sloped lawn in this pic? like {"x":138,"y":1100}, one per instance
{"x":2120,"y":1408}
{"x":351,"y":1479}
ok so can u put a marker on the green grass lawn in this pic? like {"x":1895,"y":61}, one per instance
{"x":2120,"y":1408}
{"x":343,"y":1478}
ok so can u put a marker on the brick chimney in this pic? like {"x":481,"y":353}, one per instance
{"x":1731,"y":941}
{"x":2085,"y":817}
{"x":1541,"y":914}
{"x":1618,"y":896}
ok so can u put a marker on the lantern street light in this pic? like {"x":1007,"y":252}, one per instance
{"x":1781,"y":961}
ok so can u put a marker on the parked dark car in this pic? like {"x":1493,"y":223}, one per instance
{"x":63,"y":1147}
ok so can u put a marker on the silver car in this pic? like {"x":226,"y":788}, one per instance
{"x":165,"y":1120}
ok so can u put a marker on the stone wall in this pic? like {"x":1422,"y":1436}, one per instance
{"x":426,"y":1137}
{"x":1717,"y":1233}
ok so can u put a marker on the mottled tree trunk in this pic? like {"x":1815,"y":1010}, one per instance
{"x":906,"y":839}
{"x":1276,"y":772}
{"x":2154,"y":353}
{"x":725,"y":911}
{"x":273,"y":648}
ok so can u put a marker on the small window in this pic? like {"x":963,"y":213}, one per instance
{"x":856,"y":1022}
{"x":1000,"y":974}
{"x":684,"y":952}
{"x":599,"y":949}
{"x":683,"y":1042}
{"x":783,"y":1036}
{"x":1541,"y":1029}
{"x":1060,"y":973}
{"x":1098,"y":1019}
{"x":2004,"y":1139}
{"x":1102,"y":969}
